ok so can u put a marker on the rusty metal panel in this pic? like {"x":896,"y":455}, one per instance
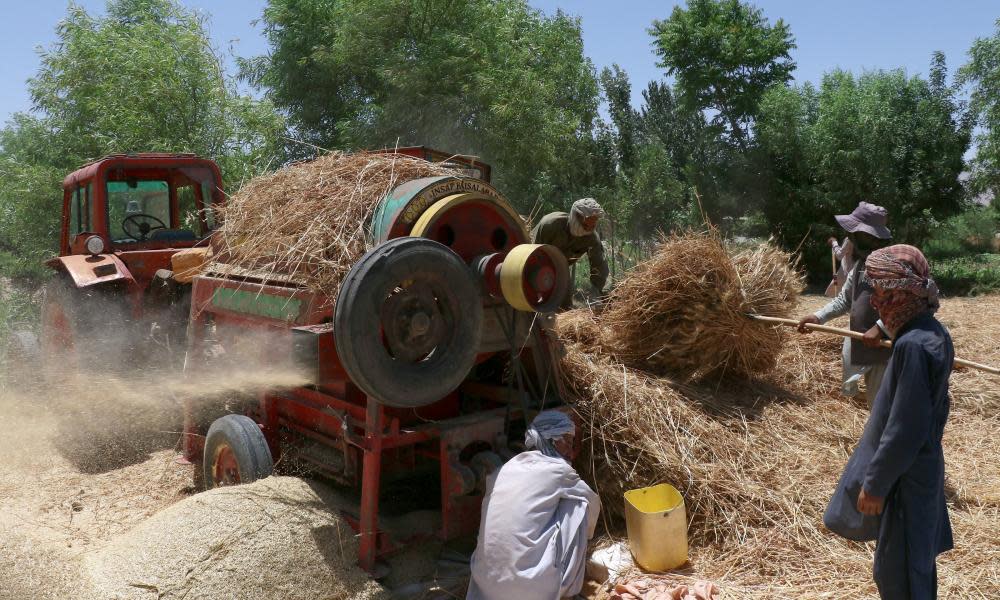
{"x":86,"y":271}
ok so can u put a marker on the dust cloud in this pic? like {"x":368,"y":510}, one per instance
{"x":102,"y":414}
{"x":90,"y":451}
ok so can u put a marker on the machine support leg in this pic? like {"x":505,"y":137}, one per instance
{"x":269,"y":419}
{"x":192,"y":445}
{"x":189,"y":454}
{"x":370,"y":477}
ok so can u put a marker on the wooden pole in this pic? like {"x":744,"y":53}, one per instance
{"x":960,"y":362}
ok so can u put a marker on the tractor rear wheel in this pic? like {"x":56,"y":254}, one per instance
{"x":408,"y":322}
{"x":235,"y":452}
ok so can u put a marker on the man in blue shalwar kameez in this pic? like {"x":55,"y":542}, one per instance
{"x":892,"y":489}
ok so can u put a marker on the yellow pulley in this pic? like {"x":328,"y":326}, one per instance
{"x":534,"y":277}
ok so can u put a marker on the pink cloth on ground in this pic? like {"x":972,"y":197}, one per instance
{"x":646,"y":589}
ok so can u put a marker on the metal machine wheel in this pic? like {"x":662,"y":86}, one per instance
{"x":471,"y":224}
{"x":408,"y":322}
{"x":235,"y":452}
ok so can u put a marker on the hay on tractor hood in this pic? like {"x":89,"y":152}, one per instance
{"x":684,"y":311}
{"x":309,"y":221}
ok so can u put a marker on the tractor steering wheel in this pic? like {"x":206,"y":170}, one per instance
{"x":142,"y":228}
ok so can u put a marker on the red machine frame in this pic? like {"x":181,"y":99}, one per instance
{"x":339,"y":415}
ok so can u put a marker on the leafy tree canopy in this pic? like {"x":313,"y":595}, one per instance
{"x":145,"y":78}
{"x":883,"y":137}
{"x":982,"y":73}
{"x":725,"y":55}
{"x":493,"y":78}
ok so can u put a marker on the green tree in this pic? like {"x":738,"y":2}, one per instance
{"x":679,"y":130}
{"x":699,"y":157}
{"x":625,"y":119}
{"x":493,"y":78}
{"x":791,"y":200}
{"x":725,"y":55}
{"x":141,"y":78}
{"x":656,"y":154}
{"x":144,"y":77}
{"x":883,"y":137}
{"x":655,"y":199}
{"x":982,"y":73}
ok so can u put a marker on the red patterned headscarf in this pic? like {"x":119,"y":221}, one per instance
{"x":903,"y":272}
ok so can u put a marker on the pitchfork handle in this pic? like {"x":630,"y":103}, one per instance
{"x":854,"y":334}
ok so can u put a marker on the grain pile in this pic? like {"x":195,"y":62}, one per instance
{"x":684,"y":310}
{"x":757,"y":459}
{"x":279,"y":537}
{"x":308,"y":221}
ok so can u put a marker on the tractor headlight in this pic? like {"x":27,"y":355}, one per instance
{"x":95,"y":245}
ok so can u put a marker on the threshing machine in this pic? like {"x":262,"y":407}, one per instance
{"x":423,"y":367}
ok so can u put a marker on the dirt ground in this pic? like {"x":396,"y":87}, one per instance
{"x":56,"y":512}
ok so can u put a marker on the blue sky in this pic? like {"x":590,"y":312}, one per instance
{"x":850,"y":34}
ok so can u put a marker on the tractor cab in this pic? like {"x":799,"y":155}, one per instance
{"x":139,"y":202}
{"x":124,"y":217}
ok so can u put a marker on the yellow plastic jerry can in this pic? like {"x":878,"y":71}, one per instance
{"x":657,"y":527}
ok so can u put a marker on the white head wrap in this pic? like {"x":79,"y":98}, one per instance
{"x":583,"y":208}
{"x":547,"y":426}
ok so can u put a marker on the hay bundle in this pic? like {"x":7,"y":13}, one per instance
{"x":308,"y":221}
{"x":684,"y":311}
{"x":644,"y":429}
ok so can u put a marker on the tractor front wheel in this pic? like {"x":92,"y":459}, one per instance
{"x":235,"y":452}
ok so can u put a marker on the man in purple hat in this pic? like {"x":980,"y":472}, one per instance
{"x":867,"y":232}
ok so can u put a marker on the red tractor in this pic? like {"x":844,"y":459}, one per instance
{"x":124,"y":217}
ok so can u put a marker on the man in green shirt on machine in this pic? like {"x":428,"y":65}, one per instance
{"x":575,"y":234}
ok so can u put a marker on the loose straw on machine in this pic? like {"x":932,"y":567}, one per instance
{"x":961,"y":362}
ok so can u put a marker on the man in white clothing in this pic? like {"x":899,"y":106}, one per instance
{"x":538,"y":516}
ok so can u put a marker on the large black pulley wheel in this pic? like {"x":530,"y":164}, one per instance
{"x":408,"y":322}
{"x":235,"y":452}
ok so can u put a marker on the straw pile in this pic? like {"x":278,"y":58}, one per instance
{"x":757,"y":460}
{"x":279,"y":537}
{"x":684,"y":310}
{"x":308,"y":221}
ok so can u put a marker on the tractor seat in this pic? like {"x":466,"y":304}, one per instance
{"x":172,"y":235}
